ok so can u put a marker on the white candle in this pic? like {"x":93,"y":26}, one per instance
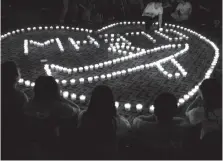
{"x":151,"y":109}
{"x":73,"y":96}
{"x":75,"y":70}
{"x":139,"y":107}
{"x":116,"y":105}
{"x":32,"y":84}
{"x":96,"y":78}
{"x":169,"y":76}
{"x":96,"y":66}
{"x":72,"y":81}
{"x":90,"y":79}
{"x":27,"y":83}
{"x":91,"y":67}
{"x":103,"y":77}
{"x":127,"y":106}
{"x":80,"y":69}
{"x":65,"y":94}
{"x":81,"y":80}
{"x":82,"y":98}
{"x":64,"y":82}
{"x":86,"y":68}
{"x":21,"y":81}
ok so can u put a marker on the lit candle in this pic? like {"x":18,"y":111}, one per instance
{"x":32,"y":84}
{"x":109,"y":76}
{"x":91,"y":67}
{"x":72,"y":81}
{"x":65,"y":94}
{"x":169,"y":76}
{"x":73,"y":96}
{"x":152,"y":108}
{"x":82,"y":98}
{"x":127,"y":106}
{"x":21,"y":81}
{"x":90,"y":79}
{"x":177,"y":75}
{"x":116,"y":105}
{"x":64,"y":82}
{"x":27,"y":83}
{"x":86,"y":68}
{"x":96,"y":78}
{"x":139,"y":107}
{"x":186,"y":97}
{"x":103,"y":77}
{"x":80,"y":69}
{"x":81,"y":80}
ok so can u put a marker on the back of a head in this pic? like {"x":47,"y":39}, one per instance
{"x":102,"y":102}
{"x":46,"y":89}
{"x":10,"y":74}
{"x":211,"y":92}
{"x":165,"y":107}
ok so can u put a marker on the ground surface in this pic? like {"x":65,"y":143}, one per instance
{"x":140,"y":87}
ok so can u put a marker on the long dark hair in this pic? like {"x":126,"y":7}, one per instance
{"x":46,"y":89}
{"x":101,"y":112}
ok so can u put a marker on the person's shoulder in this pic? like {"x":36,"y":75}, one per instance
{"x":65,"y":109}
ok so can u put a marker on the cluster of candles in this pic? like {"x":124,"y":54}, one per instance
{"x":119,"y":73}
{"x":47,"y":70}
{"x":75,"y":45}
{"x":130,"y":56}
{"x":93,"y":41}
{"x":27,"y":83}
{"x":180,"y":68}
{"x":120,"y":23}
{"x":73,"y":96}
{"x":181,"y":35}
{"x":149,"y":37}
{"x":163,"y":35}
{"x":181,"y":101}
{"x":59,"y":44}
{"x":46,"y":28}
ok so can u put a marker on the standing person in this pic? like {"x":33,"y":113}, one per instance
{"x":183,"y":11}
{"x":74,"y":7}
{"x":12,"y":102}
{"x":152,"y":10}
{"x":101,"y":127}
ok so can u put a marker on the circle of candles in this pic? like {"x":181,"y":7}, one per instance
{"x":127,"y":106}
{"x":73,"y":96}
{"x":64,"y":82}
{"x":72,"y":81}
{"x":116,"y":104}
{"x":151,"y":109}
{"x":65,"y":94}
{"x":139,"y":107}
{"x":81,"y":80}
{"x":82,"y":98}
{"x":27,"y":83}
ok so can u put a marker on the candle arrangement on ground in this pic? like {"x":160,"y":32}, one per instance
{"x":135,"y":64}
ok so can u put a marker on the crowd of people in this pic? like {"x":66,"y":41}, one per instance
{"x":133,"y":9}
{"x":48,"y":126}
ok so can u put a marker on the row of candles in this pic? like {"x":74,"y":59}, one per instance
{"x":75,"y":45}
{"x":122,"y":72}
{"x":179,"y":67}
{"x":149,"y":37}
{"x":17,"y":31}
{"x":166,"y":73}
{"x":177,"y":33}
{"x":111,"y":62}
{"x":120,"y":23}
{"x":60,"y":45}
